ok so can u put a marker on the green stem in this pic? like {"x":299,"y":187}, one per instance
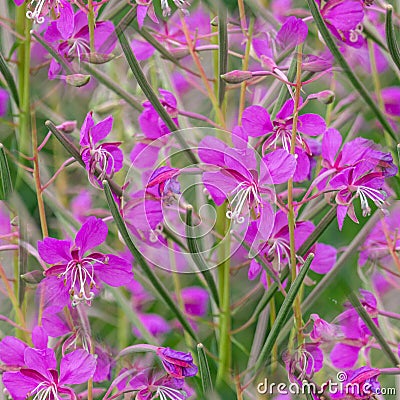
{"x":291,"y":216}
{"x":224,"y":291}
{"x":91,"y":23}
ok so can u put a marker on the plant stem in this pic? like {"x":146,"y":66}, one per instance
{"x":91,"y":23}
{"x":38,"y":185}
{"x":224,"y":290}
{"x":291,"y":216}
{"x":245,"y":67}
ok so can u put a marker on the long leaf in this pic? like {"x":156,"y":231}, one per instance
{"x":356,"y":83}
{"x":153,"y":278}
{"x":391,"y":37}
{"x":150,"y":94}
{"x":204,"y":370}
{"x":9,"y":79}
{"x":5,"y":177}
{"x":355,"y":301}
{"x":198,"y":258}
{"x":283,"y":313}
{"x":222,"y":50}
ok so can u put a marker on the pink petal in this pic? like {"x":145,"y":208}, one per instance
{"x":102,"y":129}
{"x":54,"y":251}
{"x":77,"y":367}
{"x":93,"y":233}
{"x":256,"y":121}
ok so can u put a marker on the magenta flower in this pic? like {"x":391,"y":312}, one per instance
{"x":352,"y":183}
{"x":149,"y":385}
{"x":164,"y":178}
{"x":72,"y":38}
{"x":257,"y":122}
{"x":344,"y":18}
{"x":177,"y":363}
{"x":237,"y":177}
{"x":40,"y":378}
{"x":81,"y":272}
{"x":101,"y":160}
{"x":360,"y":384}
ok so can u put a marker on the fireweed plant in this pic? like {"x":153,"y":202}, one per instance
{"x":199,"y":200}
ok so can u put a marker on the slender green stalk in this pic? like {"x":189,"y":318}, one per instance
{"x":356,"y":83}
{"x":283,"y":313}
{"x":222,"y":50}
{"x":153,"y":278}
{"x":91,"y":23}
{"x":291,"y":216}
{"x":391,"y":36}
{"x":197,"y":256}
{"x":224,"y":292}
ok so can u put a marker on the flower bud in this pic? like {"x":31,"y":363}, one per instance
{"x":33,"y":277}
{"x":96,"y":58}
{"x":77,"y":80}
{"x":325,"y":97}
{"x":237,"y":76}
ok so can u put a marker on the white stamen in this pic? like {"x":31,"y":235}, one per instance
{"x":36,"y":13}
{"x":375,"y":195}
{"x":244,"y":192}
{"x":166,"y":393}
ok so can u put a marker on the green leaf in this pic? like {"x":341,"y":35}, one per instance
{"x":283,"y":313}
{"x":153,"y":278}
{"x":222,"y":50}
{"x":355,"y":301}
{"x":150,"y":94}
{"x":197,"y":256}
{"x":204,"y":369}
{"x":391,"y":37}
{"x":356,"y":83}
{"x":6,"y":186}
{"x":9,"y":79}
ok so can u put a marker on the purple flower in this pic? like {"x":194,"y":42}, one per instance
{"x":237,"y":177}
{"x":71,"y":34}
{"x":177,"y":363}
{"x":81,"y":272}
{"x":343,"y":18}
{"x":257,"y":122}
{"x":40,"y":378}
{"x":149,"y":386}
{"x":275,"y":250}
{"x":101,"y":160}
{"x":360,"y":384}
{"x":293,"y":32}
{"x":352,"y":183}
{"x":164,"y":178}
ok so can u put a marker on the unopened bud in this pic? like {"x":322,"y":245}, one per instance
{"x":268,"y":63}
{"x":325,"y":97}
{"x":180,"y":52}
{"x":33,"y":277}
{"x":67,"y":126}
{"x":77,"y":80}
{"x":237,"y":76}
{"x":96,"y":58}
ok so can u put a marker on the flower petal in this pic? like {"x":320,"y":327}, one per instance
{"x":93,"y":233}
{"x":256,"y":121}
{"x":77,"y":367}
{"x":54,"y":251}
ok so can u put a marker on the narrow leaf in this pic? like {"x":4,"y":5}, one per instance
{"x":204,"y":369}
{"x":5,"y":177}
{"x":9,"y":79}
{"x":222,"y":50}
{"x":150,"y":94}
{"x":391,"y":37}
{"x":153,"y":278}
{"x":355,"y":301}
{"x":283,"y":313}
{"x":356,"y":83}
{"x":197,"y":256}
